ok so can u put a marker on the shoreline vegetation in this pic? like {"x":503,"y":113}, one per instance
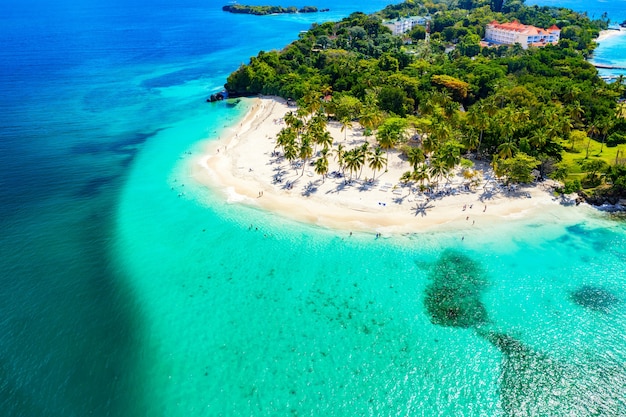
{"x":268,"y":10}
{"x":433,"y":121}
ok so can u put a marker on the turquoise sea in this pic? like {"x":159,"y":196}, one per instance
{"x":126,"y":289}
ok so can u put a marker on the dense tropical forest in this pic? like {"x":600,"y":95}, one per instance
{"x":265,"y":10}
{"x":444,"y":99}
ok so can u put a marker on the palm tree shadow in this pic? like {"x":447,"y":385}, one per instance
{"x":309,"y":189}
{"x":367,"y":185}
{"x":288,"y":185}
{"x":420,"y":208}
{"x":399,"y":199}
{"x":487,"y":195}
{"x":342,"y":185}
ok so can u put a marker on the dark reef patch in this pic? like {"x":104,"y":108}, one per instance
{"x":594,"y":298}
{"x":452,"y":299}
{"x":533,"y":383}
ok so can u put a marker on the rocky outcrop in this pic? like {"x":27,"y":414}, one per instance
{"x":612,"y":198}
{"x":217,"y":97}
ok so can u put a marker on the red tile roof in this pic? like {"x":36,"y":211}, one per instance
{"x":516,"y":26}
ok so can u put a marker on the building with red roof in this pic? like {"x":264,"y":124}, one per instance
{"x":514,"y":32}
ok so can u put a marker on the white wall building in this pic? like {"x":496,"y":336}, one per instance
{"x":526,"y":35}
{"x":405,"y":24}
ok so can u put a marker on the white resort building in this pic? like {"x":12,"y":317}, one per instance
{"x":405,"y":24}
{"x":526,"y":35}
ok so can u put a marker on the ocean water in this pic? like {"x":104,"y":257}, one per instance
{"x":129,"y":290}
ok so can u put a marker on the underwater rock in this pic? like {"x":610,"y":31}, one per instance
{"x":453,"y":297}
{"x":594,"y":298}
{"x":534,"y":384}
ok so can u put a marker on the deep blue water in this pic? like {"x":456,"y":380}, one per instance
{"x":98,"y":100}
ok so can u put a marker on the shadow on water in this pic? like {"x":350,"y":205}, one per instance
{"x":534,"y":384}
{"x":69,"y":328}
{"x":126,"y":145}
{"x":95,"y":185}
{"x":594,"y":298}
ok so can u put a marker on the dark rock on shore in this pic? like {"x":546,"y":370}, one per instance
{"x":226,"y":94}
{"x":217,"y":97}
{"x":608,"y":197}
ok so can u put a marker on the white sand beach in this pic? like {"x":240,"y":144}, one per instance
{"x":240,"y":165}
{"x":609,"y":33}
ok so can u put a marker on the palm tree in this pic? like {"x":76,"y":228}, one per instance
{"x":572,"y":94}
{"x":441,"y":132}
{"x":605,"y":126}
{"x":311,"y":102}
{"x":353,"y":161}
{"x":290,"y":118}
{"x":429,"y":143}
{"x":575,"y":111}
{"x":370,"y":118}
{"x":319,"y":120}
{"x":363,"y":154}
{"x":470,"y":140}
{"x":415,"y":156}
{"x":549,"y":116}
{"x":298,"y":125}
{"x":592,"y":131}
{"x":305,"y":152}
{"x":377,"y":160}
{"x":386,"y":141}
{"x":406,"y":177}
{"x":450,"y":153}
{"x":346,"y":123}
{"x":324,"y":139}
{"x":477,"y":117}
{"x":564,"y":124}
{"x":340,"y":155}
{"x":539,"y":138}
{"x":507,"y":149}
{"x":619,"y":82}
{"x":421,"y":174}
{"x":291,"y":153}
{"x":438,"y":169}
{"x":391,"y":132}
{"x":286,"y":136}
{"x":321,"y":164}
{"x":428,"y":106}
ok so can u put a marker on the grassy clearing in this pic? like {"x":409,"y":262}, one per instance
{"x":573,"y":159}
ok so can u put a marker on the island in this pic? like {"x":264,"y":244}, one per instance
{"x":430,"y":122}
{"x":265,"y":10}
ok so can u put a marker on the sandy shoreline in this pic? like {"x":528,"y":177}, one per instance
{"x":241,"y":167}
{"x":609,"y":33}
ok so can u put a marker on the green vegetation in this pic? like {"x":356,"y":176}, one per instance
{"x":529,"y":111}
{"x":264,"y":10}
